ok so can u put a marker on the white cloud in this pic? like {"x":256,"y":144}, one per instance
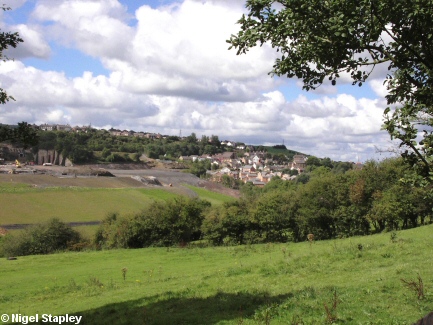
{"x":83,"y":99}
{"x":181,"y":50}
{"x":379,"y":87}
{"x":178,"y":50}
{"x":170,"y":70}
{"x":332,"y":127}
{"x":95,"y":27}
{"x":34,"y":44}
{"x":13,"y":4}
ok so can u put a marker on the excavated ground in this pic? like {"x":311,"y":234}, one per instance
{"x":110,"y":176}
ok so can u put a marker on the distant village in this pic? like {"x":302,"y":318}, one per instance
{"x":115,"y":132}
{"x":251,"y":167}
{"x":243,"y":162}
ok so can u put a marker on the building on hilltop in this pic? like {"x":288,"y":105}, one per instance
{"x":299,"y":162}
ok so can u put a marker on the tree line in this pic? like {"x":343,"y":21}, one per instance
{"x":329,"y":205}
{"x":100,"y":145}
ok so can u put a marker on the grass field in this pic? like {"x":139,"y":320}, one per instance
{"x":74,"y":204}
{"x":212,"y":197}
{"x":344,"y":281}
{"x":91,"y":199}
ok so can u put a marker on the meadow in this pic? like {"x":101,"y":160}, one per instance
{"x":356,"y":280}
{"x":33,"y":199}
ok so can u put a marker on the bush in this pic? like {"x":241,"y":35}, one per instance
{"x":46,"y":238}
{"x":174,"y":222}
{"x":114,"y":157}
{"x":227,"y":224}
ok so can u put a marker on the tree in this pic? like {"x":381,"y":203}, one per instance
{"x":313,"y":162}
{"x":176,"y":221}
{"x":192,"y":138}
{"x":7,"y":39}
{"x":215,"y":141}
{"x":45,"y":238}
{"x":24,"y":133}
{"x":273,"y":217}
{"x":327,"y":162}
{"x":320,"y":39}
{"x":199,"y":168}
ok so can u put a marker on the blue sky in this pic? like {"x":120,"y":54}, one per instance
{"x":163,"y":66}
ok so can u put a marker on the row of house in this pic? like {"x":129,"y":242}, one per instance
{"x":233,"y":144}
{"x":126,"y":133}
{"x":62,"y":127}
{"x":129,"y":133}
{"x":114,"y":132}
{"x":251,"y":167}
{"x":258,"y":159}
{"x":248,"y":173}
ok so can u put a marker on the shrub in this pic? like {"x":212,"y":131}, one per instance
{"x":45,"y":238}
{"x":114,"y":157}
{"x":227,"y":224}
{"x":163,"y":224}
{"x":267,"y":219}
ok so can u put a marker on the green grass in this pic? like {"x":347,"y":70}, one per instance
{"x":87,"y":232}
{"x":275,"y":151}
{"x":212,"y":197}
{"x":73,"y":204}
{"x":258,"y":284}
{"x":23,"y":203}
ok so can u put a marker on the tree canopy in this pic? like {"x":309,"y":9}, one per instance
{"x":7,"y":39}
{"x":323,"y":40}
{"x":23,"y":133}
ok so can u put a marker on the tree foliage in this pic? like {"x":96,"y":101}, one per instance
{"x":22,"y":135}
{"x":7,"y":40}
{"x":322,"y":40}
{"x":329,"y":205}
{"x":45,"y":238}
{"x":168,"y":223}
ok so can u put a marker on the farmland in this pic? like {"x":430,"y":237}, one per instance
{"x":347,"y":281}
{"x":27,"y":199}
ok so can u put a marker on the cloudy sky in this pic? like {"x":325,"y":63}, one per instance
{"x":164,"y":66}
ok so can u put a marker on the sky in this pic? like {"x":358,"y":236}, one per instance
{"x":164,"y":66}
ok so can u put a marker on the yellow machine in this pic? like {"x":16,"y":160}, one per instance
{"x":17,"y":163}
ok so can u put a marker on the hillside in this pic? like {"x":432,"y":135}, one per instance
{"x":33,"y":198}
{"x":287,"y":152}
{"x":343,"y":281}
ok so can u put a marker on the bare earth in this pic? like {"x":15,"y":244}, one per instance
{"x":125,"y":175}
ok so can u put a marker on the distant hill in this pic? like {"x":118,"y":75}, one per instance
{"x":279,"y":149}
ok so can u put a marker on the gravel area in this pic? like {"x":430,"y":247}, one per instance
{"x":126,"y":175}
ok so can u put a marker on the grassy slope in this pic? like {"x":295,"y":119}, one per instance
{"x":73,"y":204}
{"x":287,"y":152}
{"x":213,"y":197}
{"x":23,"y":203}
{"x":259,"y":284}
